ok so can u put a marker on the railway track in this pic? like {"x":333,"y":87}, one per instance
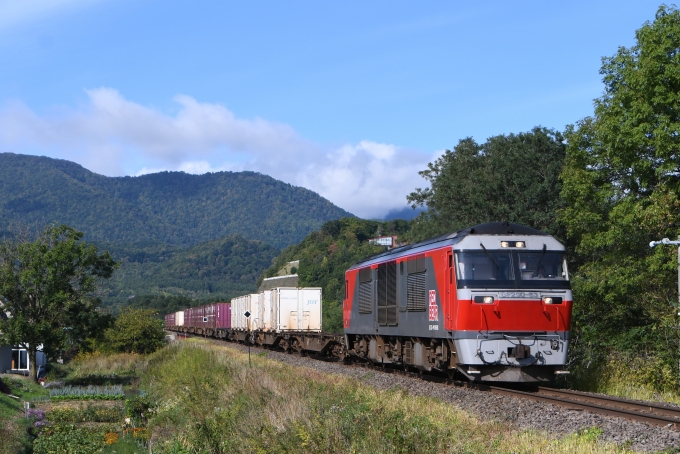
{"x":647,"y":412}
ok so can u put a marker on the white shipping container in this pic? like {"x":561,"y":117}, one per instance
{"x":255,"y":306}
{"x":239,"y":306}
{"x":298,"y":309}
{"x":268,"y":310}
{"x":179,"y":318}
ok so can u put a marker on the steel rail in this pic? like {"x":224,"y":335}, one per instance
{"x":608,"y":406}
{"x":627,"y":404}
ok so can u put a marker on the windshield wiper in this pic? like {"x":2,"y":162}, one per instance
{"x":540,"y":259}
{"x":489,"y":255}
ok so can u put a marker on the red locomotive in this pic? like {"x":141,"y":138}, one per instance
{"x":492,"y":302}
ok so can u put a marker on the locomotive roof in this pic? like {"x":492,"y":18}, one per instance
{"x":489,"y":228}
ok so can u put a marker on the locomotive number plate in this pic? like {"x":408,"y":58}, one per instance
{"x":532,"y":295}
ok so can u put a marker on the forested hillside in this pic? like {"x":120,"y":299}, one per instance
{"x":214,"y":270}
{"x":167,"y":207}
{"x":326,"y":254}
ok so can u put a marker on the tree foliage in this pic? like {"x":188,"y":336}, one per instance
{"x":511,"y":177}
{"x":215,"y":270}
{"x":621,"y":185}
{"x":135,"y":331}
{"x":47,"y":287}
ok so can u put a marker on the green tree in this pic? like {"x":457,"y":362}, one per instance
{"x":511,"y":177}
{"x":621,"y":184}
{"x":44,"y":283}
{"x":135,"y":331}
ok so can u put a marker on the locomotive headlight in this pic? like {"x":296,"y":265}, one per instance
{"x":552,"y":300}
{"x":484,"y":299}
{"x":520,"y":244}
{"x":505,"y":244}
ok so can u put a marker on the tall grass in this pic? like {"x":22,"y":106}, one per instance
{"x":209,"y":400}
{"x":628,"y":376}
{"x":97,"y":363}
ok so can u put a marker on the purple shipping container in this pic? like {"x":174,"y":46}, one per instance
{"x":215,"y":315}
{"x":170,"y":319}
{"x":191,"y":316}
{"x":223,"y":315}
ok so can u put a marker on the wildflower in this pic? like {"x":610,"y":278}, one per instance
{"x":111,"y":438}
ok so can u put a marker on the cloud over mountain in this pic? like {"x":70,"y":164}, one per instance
{"x":112,"y":135}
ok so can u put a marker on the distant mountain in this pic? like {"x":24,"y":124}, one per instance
{"x":214,"y":270}
{"x":166,"y":207}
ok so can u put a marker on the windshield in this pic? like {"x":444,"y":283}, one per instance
{"x":511,"y":269}
{"x":543,"y":265}
{"x":485,"y":266}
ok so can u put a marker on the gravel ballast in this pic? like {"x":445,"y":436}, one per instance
{"x":521,"y":413}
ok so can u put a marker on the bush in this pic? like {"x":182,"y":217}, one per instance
{"x":70,"y":439}
{"x":135,"y":331}
{"x":91,"y":413}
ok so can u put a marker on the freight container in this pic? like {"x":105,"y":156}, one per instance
{"x":194,"y":316}
{"x":179,"y":318}
{"x":239,"y":306}
{"x":222,"y":315}
{"x":255,"y":315}
{"x":170,"y":320}
{"x":268,"y":310}
{"x":298,"y":309}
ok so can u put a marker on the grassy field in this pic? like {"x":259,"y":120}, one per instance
{"x":203,"y":398}
{"x":73,"y":426}
{"x":208,"y":400}
{"x":13,"y":426}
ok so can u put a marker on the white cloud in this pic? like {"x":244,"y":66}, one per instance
{"x":114,"y":136}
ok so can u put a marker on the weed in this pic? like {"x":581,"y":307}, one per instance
{"x":590,"y":434}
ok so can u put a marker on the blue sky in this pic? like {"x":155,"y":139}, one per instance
{"x":350,"y":99}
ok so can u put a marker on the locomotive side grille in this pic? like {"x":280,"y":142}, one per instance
{"x":416,"y":298}
{"x":382,"y":290}
{"x":366,"y":297}
{"x":365,"y":275}
{"x":382,"y":315}
{"x":387,"y":293}
{"x":391,"y":294}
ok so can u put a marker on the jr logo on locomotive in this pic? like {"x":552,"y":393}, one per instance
{"x":434,"y":310}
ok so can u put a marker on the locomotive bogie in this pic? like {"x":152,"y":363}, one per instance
{"x":425,"y":354}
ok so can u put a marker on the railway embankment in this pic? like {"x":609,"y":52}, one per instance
{"x":208,"y":398}
{"x":513,"y":415}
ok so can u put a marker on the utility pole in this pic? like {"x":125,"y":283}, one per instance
{"x":247,"y":314}
{"x":666,"y":241}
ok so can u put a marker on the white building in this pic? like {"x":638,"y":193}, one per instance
{"x":14,"y":360}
